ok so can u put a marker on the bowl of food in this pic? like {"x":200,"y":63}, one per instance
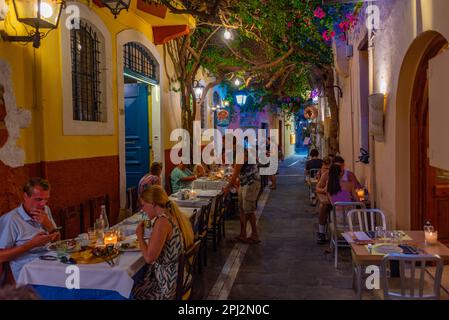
{"x":129,"y":245}
{"x":72,"y":245}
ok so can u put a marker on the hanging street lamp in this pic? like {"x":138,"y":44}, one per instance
{"x":227,"y":34}
{"x":198,"y":88}
{"x":241,"y":98}
{"x":115,"y":6}
{"x":39,"y":14}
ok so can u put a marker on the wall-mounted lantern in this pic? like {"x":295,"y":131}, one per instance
{"x":115,"y":6}
{"x":39,"y":14}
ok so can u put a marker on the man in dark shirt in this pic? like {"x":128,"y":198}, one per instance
{"x":313,"y":163}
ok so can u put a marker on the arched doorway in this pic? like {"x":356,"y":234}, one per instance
{"x":136,"y":80}
{"x":425,"y":182}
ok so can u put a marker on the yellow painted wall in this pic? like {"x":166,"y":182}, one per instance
{"x":43,"y":140}
{"x":289,"y":148}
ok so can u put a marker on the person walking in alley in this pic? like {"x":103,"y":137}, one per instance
{"x":248,"y":175}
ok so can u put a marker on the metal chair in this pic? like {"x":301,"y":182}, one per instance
{"x":336,"y":227}
{"x":410,"y":288}
{"x":367,"y":219}
{"x":311,"y":182}
{"x":186,"y":265}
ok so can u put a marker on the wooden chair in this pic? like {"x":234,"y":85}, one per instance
{"x":86,"y":221}
{"x":132,"y":199}
{"x":71,"y":221}
{"x":215,"y":227}
{"x":410,"y":287}
{"x":338,"y":224}
{"x":6,"y":276}
{"x":201,"y":234}
{"x":187,"y":260}
{"x":95,"y":207}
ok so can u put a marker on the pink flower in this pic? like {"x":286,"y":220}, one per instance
{"x":344,"y":25}
{"x":325,"y":36}
{"x":289,"y":24}
{"x":319,"y":13}
{"x":351,"y":19}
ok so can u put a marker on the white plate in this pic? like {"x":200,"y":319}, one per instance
{"x":387,"y":248}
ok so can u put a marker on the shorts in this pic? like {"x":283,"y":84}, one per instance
{"x":248,"y":197}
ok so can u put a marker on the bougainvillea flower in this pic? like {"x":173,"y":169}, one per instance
{"x":325,"y":36}
{"x":319,"y":13}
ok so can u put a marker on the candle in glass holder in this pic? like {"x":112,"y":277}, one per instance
{"x":431,"y":237}
{"x":110,"y":238}
{"x":361,"y":194}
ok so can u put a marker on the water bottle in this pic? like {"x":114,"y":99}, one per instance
{"x":428,"y":226}
{"x":104,"y":217}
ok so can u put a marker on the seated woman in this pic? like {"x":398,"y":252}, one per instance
{"x":153,"y":178}
{"x":172,"y":233}
{"x":339,"y":189}
{"x":199,"y":170}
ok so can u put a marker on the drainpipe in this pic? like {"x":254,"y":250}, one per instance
{"x":372,"y":148}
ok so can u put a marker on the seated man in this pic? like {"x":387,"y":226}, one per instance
{"x":27,"y":228}
{"x":181,"y":178}
{"x":313,"y":163}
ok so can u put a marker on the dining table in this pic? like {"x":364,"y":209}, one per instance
{"x":100,"y":281}
{"x":364,"y":252}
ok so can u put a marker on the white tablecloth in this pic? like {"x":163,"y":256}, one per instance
{"x":92,"y":276}
{"x":209,"y":184}
{"x":201,"y":193}
{"x":197,"y":203}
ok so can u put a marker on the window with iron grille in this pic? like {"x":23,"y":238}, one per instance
{"x":139,"y":63}
{"x":86,"y":74}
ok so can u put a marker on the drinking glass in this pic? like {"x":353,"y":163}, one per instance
{"x":92,"y":234}
{"x":61,"y":249}
{"x":397,"y":236}
{"x":380,"y":232}
{"x":389,"y":235}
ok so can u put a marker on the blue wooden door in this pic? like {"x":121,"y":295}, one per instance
{"x":136,"y":133}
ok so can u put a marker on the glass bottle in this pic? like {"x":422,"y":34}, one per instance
{"x":104,"y":217}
